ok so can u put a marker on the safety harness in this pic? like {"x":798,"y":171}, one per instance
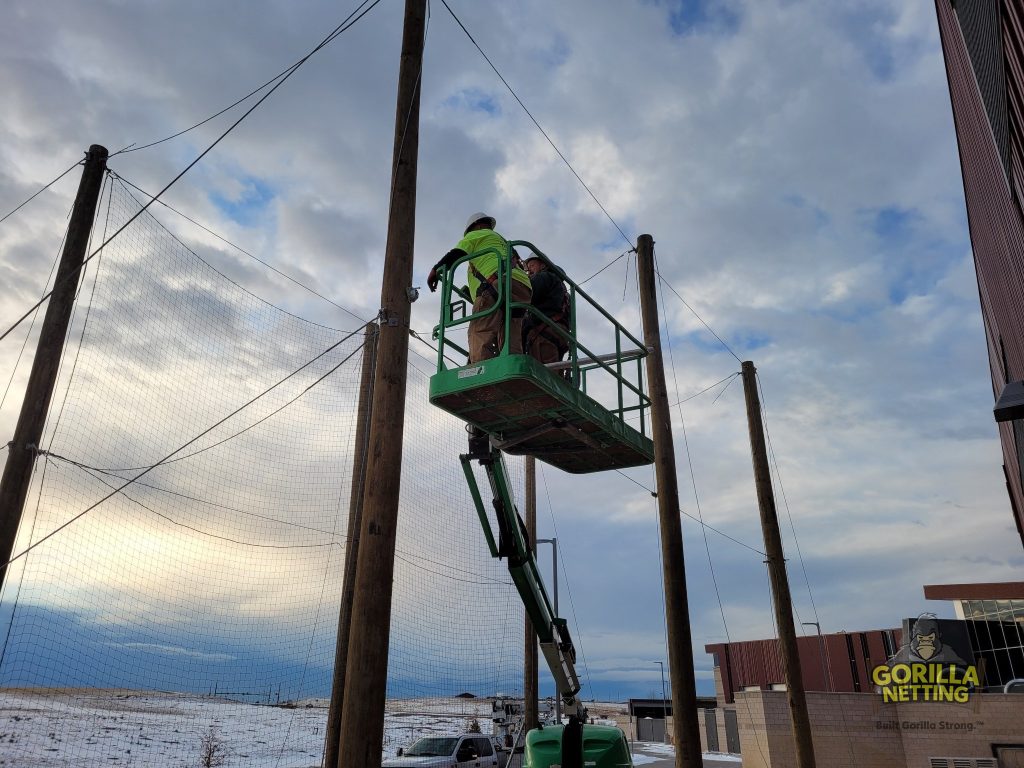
{"x":559,"y":317}
{"x":487,"y":284}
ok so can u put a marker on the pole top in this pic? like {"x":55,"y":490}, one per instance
{"x":98,"y":150}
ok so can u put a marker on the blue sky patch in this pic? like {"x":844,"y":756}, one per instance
{"x":613,"y":239}
{"x":847,"y":313}
{"x":868,"y":31}
{"x":689,"y":16}
{"x":750,"y":340}
{"x":901,"y":289}
{"x":248,"y":207}
{"x":895,"y":224}
{"x":914,"y":260}
{"x":819,"y":215}
{"x":557,"y":53}
{"x":703,"y":341}
{"x":474,"y":100}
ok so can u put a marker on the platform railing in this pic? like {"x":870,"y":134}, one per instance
{"x":629,"y":351}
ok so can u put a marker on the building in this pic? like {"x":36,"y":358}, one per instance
{"x":983,"y":45}
{"x":834,"y":663}
{"x":651,"y":719}
{"x":853,"y":723}
{"x":995,"y":619}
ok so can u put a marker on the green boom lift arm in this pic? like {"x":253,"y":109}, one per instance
{"x":524,"y":407}
{"x":552,"y":631}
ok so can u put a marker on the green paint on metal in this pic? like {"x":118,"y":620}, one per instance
{"x":474,"y":491}
{"x":532,"y":410}
{"x":604,"y":746}
{"x":513,"y":396}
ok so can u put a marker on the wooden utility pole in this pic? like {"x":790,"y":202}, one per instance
{"x":355,"y":516}
{"x":685,"y":726}
{"x":777,"y":573}
{"x":362,"y":719}
{"x":29,"y":431}
{"x":530,"y":683}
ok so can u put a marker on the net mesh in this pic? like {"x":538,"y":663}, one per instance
{"x":150,"y":627}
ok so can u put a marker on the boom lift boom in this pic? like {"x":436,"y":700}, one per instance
{"x":561,"y":415}
{"x":552,"y":631}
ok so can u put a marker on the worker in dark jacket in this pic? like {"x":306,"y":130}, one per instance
{"x":540,"y":340}
{"x":487,"y":334}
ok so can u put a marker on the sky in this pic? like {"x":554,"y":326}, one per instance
{"x":794,"y":161}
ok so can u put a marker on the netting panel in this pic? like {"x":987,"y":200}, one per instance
{"x":218,"y":573}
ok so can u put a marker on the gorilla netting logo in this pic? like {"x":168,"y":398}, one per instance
{"x":926,"y":668}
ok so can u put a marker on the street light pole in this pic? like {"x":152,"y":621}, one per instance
{"x":822,"y":655}
{"x":664,"y":701}
{"x":554,"y":580}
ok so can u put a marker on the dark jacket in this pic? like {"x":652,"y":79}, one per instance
{"x":548,"y":294}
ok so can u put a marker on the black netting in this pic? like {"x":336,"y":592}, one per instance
{"x":209,"y":588}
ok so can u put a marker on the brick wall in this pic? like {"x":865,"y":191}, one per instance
{"x":858,"y":730}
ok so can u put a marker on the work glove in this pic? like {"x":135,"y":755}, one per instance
{"x":432,"y":279}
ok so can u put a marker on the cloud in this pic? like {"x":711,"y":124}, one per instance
{"x":796,"y":165}
{"x":172,"y":650}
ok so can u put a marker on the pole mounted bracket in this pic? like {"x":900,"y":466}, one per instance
{"x":390,"y":319}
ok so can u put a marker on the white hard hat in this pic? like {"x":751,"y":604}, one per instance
{"x":480,"y":216}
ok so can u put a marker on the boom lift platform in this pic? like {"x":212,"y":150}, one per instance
{"x":530,"y":409}
{"x":527,"y":408}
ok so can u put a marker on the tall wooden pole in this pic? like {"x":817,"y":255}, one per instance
{"x":530,"y":682}
{"x":685,"y":726}
{"x":777,"y":573}
{"x":29,"y":431}
{"x":362,"y":720}
{"x":355,"y":516}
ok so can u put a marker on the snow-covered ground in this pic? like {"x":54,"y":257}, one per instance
{"x":655,"y":754}
{"x":91,"y":728}
{"x":88,"y":728}
{"x":646,"y":752}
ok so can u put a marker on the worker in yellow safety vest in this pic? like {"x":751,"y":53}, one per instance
{"x":487,"y":334}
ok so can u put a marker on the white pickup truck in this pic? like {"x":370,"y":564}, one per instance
{"x":468,"y":750}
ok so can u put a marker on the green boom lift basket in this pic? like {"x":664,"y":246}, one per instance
{"x":528,"y":408}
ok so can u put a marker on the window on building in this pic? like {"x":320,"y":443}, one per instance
{"x":888,"y":643}
{"x":1016,"y":662}
{"x":1003,"y":632}
{"x":853,"y":664}
{"x":1018,"y":440}
{"x":989,"y":672}
{"x":982,"y":635}
{"x":1017,"y":606}
{"x":1004,"y":610}
{"x":865,"y":651}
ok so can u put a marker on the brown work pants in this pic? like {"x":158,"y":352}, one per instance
{"x":487,"y":334}
{"x":541,"y":347}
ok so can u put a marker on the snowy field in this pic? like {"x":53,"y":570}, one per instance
{"x":91,"y":728}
